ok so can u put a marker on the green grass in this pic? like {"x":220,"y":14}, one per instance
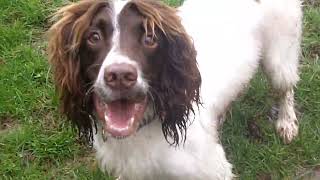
{"x":268,"y":156}
{"x":36,"y":143}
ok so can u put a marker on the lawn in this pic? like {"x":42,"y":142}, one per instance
{"x":37,"y":143}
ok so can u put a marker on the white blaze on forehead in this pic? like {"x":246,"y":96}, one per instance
{"x":117,"y":8}
{"x":115,"y":55}
{"x":118,"y":5}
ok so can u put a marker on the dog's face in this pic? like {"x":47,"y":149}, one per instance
{"x":112,"y":62}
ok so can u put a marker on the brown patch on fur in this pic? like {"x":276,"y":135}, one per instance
{"x":159,"y":15}
{"x":177,"y":86}
{"x":174,"y":77}
{"x":65,"y":38}
{"x":63,"y":46}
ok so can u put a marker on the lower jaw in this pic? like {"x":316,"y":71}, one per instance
{"x":105,"y":135}
{"x":108,"y":129}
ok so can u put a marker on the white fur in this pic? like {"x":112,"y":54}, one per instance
{"x":231,"y":37}
{"x":115,"y":56}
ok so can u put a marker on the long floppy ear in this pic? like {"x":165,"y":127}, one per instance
{"x":65,"y":38}
{"x":178,"y":86}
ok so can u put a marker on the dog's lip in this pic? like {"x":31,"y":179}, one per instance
{"x":121,"y":117}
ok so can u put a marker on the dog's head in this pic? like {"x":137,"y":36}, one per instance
{"x":113,"y":61}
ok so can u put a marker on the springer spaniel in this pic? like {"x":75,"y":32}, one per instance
{"x":148,"y":83}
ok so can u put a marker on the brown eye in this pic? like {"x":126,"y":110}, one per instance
{"x":94,"y":38}
{"x":150,"y":41}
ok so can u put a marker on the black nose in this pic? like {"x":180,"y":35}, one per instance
{"x":120,"y":76}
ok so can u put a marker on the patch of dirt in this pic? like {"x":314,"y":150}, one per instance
{"x":50,"y":120}
{"x":2,"y":62}
{"x":254,"y":131}
{"x":273,"y":114}
{"x":6,"y":123}
{"x":311,"y":174}
{"x":27,"y":158}
{"x":315,"y":52}
{"x":264,"y":176}
{"x":314,"y":3}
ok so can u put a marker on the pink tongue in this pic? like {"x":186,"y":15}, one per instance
{"x":120,"y":113}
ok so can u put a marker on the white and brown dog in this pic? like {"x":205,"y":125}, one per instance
{"x":140,"y":78}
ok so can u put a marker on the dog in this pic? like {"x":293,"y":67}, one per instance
{"x":147,"y":83}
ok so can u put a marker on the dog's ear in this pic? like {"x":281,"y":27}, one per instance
{"x":65,"y":38}
{"x":180,"y":85}
{"x":177,"y":88}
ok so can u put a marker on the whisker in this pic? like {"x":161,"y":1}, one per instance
{"x":87,"y":95}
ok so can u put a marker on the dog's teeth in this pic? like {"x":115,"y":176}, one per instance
{"x":120,"y":137}
{"x":106,"y":117}
{"x":104,"y":135}
{"x":131,"y":122}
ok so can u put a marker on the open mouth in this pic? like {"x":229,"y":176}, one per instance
{"x":120,"y":118}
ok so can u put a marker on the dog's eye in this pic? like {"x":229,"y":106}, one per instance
{"x":150,"y":41}
{"x":94,"y":38}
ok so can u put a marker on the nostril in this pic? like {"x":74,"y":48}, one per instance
{"x":129,"y":79}
{"x":110,"y":76}
{"x":121,"y":76}
{"x":112,"y":79}
{"x":131,"y":76}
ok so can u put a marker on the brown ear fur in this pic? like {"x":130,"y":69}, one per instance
{"x":65,"y":38}
{"x":179,"y":82}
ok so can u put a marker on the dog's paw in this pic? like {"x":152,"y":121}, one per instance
{"x":287,"y":129}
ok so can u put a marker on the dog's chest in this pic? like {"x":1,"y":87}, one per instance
{"x":148,"y":156}
{"x":135,"y":156}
